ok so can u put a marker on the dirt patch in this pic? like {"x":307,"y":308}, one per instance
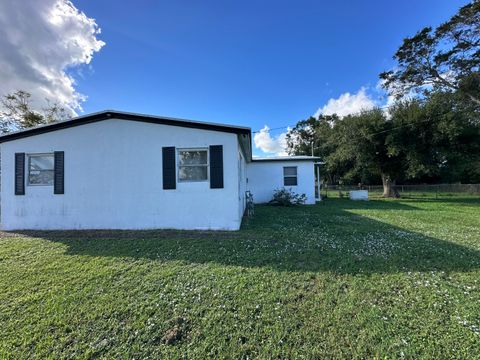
{"x":178,"y":330}
{"x":172,"y":336}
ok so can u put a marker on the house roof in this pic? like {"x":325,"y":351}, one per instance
{"x":244,"y":132}
{"x":286,"y":158}
{"x":113,"y":114}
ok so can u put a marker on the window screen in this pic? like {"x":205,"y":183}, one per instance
{"x":290,"y":176}
{"x":193,"y":165}
{"x":40,"y":169}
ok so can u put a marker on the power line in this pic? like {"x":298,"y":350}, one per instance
{"x":272,"y":129}
{"x":381,"y":108}
{"x":399,"y":127}
{"x":352,"y":114}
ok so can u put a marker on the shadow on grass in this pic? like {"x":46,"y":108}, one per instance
{"x":323,"y":237}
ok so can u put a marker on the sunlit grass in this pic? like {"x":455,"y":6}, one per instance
{"x":341,"y":279}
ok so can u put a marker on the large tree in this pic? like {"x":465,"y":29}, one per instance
{"x":349,"y":147}
{"x":363,"y":141}
{"x":456,"y":137}
{"x":17,"y":112}
{"x":431,"y":139}
{"x":447,"y":57}
{"x":311,"y":137}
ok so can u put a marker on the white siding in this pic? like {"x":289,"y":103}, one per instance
{"x":266,"y":176}
{"x":242,"y":182}
{"x":113,"y":180}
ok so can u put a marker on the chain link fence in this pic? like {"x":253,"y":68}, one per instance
{"x":405,"y":191}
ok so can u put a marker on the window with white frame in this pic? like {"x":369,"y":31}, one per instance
{"x":40,"y":169}
{"x":290,"y":176}
{"x":192,"y":164}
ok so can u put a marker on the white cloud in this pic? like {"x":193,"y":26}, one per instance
{"x":271,"y":145}
{"x":347,"y":104}
{"x":40,"y":41}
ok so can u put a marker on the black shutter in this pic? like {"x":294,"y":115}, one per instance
{"x":168,"y":161}
{"x":58,"y":172}
{"x":19,"y":173}
{"x":216,"y":166}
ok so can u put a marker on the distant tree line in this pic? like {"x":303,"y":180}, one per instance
{"x":430,"y":134}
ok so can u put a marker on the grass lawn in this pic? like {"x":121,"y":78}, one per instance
{"x":340,"y":279}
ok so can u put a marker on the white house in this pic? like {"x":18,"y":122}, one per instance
{"x":117,"y":170}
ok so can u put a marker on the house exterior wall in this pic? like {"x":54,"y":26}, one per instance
{"x":242,"y":182}
{"x":266,"y":176}
{"x":113,"y":180}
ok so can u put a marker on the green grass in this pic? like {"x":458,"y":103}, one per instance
{"x":405,"y":194}
{"x":340,"y":279}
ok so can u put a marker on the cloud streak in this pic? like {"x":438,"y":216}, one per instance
{"x":41,"y":42}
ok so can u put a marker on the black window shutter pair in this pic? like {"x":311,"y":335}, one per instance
{"x":169,"y":167}
{"x":58,"y":173}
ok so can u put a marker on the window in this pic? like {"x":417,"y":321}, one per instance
{"x":290,"y":176}
{"x":193,"y":165}
{"x":40,"y":169}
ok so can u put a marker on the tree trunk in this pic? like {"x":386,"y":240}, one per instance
{"x":389,"y":188}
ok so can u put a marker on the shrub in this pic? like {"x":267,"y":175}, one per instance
{"x":285,"y":197}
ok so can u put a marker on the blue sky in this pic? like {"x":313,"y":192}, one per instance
{"x":251,"y":63}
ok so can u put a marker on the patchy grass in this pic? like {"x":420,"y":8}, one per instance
{"x":340,"y":279}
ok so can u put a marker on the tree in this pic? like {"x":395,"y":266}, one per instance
{"x":362,"y":141}
{"x":17,"y":112}
{"x":350,"y":147}
{"x":456,"y":137}
{"x":311,"y":137}
{"x":54,"y":112}
{"x":445,"y":58}
{"x":430,"y":139}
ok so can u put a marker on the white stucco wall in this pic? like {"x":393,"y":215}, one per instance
{"x":242,"y":181}
{"x":113,"y":180}
{"x":266,"y":176}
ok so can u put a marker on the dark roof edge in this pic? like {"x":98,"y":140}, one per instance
{"x":105,"y":115}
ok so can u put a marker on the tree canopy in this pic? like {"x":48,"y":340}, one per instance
{"x":431,"y":135}
{"x":427,"y":140}
{"x":445,"y":58}
{"x":17,"y":112}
